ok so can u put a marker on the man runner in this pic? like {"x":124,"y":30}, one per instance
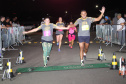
{"x":84,"y":31}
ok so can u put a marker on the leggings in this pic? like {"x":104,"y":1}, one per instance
{"x":46,"y":51}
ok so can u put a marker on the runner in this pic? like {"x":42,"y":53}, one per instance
{"x":84,"y":32}
{"x":47,"y":37}
{"x":71,"y":34}
{"x":59,"y":33}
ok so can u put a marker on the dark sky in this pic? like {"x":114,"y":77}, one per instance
{"x":40,"y":8}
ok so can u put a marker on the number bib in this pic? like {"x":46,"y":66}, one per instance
{"x":47,"y":33}
{"x":85,"y":27}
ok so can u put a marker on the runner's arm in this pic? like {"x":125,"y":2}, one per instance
{"x":63,"y":28}
{"x":33,"y":30}
{"x":102,"y":13}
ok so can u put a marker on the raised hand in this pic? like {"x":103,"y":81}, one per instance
{"x":102,"y":10}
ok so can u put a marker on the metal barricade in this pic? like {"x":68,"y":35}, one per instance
{"x":111,"y":35}
{"x":12,"y":36}
{"x":1,"y":55}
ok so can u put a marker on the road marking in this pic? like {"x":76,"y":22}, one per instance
{"x":35,"y":42}
{"x":55,"y":42}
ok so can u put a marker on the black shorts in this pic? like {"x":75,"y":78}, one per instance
{"x":85,"y":39}
{"x":58,"y":34}
{"x":47,"y":41}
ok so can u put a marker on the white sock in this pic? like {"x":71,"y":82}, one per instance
{"x":81,"y":61}
{"x":47,"y":56}
{"x":84,"y":54}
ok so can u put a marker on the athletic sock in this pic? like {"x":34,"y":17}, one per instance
{"x":82,"y":61}
{"x":84,"y":54}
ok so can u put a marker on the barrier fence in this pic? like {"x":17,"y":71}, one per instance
{"x":110,"y":35}
{"x":12,"y":36}
{"x":1,"y":60}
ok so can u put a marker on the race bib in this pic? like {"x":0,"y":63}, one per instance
{"x":85,"y":27}
{"x":47,"y":33}
{"x":71,"y":30}
{"x":60,"y":30}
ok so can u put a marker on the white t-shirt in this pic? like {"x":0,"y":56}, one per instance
{"x":121,"y":20}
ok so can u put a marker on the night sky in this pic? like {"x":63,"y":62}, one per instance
{"x":36,"y":9}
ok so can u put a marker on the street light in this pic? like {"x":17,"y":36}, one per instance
{"x":66,"y":12}
{"x":96,"y":6}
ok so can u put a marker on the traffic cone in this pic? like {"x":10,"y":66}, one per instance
{"x":9,"y":69}
{"x":99,"y":53}
{"x":20,"y":59}
{"x":114,"y":64}
{"x":21,"y":56}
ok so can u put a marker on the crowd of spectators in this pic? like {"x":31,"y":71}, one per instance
{"x":107,"y":20}
{"x":7,"y":22}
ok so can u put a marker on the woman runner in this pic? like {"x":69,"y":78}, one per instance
{"x":47,"y":37}
{"x":71,"y":34}
{"x":59,"y":33}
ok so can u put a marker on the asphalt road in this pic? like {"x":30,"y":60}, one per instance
{"x":32,"y":53}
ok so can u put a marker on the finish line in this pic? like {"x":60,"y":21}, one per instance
{"x":59,"y":68}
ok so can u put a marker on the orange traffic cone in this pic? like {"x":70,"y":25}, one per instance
{"x":122,"y":68}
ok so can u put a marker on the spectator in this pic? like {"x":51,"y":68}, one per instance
{"x":115,"y":19}
{"x":107,"y":31}
{"x":107,"y":21}
{"x":120,"y":30}
{"x":8,"y":23}
{"x":15,"y":21}
{"x":114,"y":26}
{"x":2,"y":21}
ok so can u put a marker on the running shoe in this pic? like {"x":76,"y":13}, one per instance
{"x":57,"y":44}
{"x":48,"y":58}
{"x":45,"y":65}
{"x":71,"y":47}
{"x":82,"y":63}
{"x":59,"y":50}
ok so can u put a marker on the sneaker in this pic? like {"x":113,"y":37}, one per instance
{"x":57,"y":44}
{"x":71,"y":47}
{"x":47,"y":58}
{"x":45,"y":65}
{"x":82,"y":63}
{"x":59,"y":50}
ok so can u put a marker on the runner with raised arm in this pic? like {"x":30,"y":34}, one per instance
{"x":47,"y":37}
{"x":84,"y":32}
